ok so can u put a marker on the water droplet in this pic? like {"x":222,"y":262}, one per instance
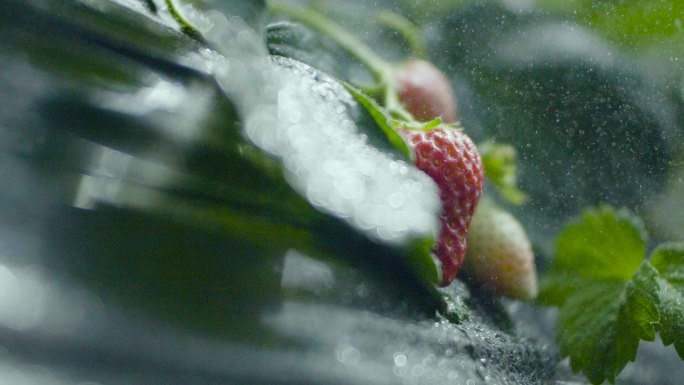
{"x":417,"y":370}
{"x":400,"y":359}
{"x":348,"y":354}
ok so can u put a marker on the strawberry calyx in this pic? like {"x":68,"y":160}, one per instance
{"x":426,"y":126}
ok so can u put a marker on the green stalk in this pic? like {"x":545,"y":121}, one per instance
{"x":394,"y":106}
{"x":186,"y":27}
{"x":408,"y":31}
{"x":381,"y":70}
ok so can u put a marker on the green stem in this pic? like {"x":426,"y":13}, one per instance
{"x":186,"y":27}
{"x":381,"y":70}
{"x":394,"y":106}
{"x":408,"y":31}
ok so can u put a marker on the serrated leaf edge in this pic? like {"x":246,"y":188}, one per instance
{"x":665,"y":285}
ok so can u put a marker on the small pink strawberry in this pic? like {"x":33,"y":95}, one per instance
{"x":500,"y":256}
{"x":425,"y":92}
{"x":450,"y":158}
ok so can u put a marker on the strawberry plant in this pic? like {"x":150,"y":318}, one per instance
{"x":419,"y":104}
{"x":187,"y":186}
{"x":501,"y":255}
{"x":610,"y":296}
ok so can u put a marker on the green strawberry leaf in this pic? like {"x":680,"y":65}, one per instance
{"x":422,"y":261}
{"x":604,"y":244}
{"x":557,"y":285}
{"x":609,"y":297}
{"x":381,"y":117}
{"x":499,"y":161}
{"x":586,"y":330}
{"x":600,"y":326}
{"x":639,"y":315}
{"x":669,"y":261}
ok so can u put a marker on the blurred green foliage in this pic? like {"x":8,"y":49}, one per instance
{"x":632,"y":23}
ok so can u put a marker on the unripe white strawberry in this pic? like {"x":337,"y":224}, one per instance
{"x":425,"y":91}
{"x":499,"y":254}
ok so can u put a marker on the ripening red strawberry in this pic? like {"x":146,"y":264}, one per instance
{"x":425,"y":92}
{"x":451,"y":159}
{"x":500,"y":256}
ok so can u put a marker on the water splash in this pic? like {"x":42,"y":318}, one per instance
{"x":303,"y":117}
